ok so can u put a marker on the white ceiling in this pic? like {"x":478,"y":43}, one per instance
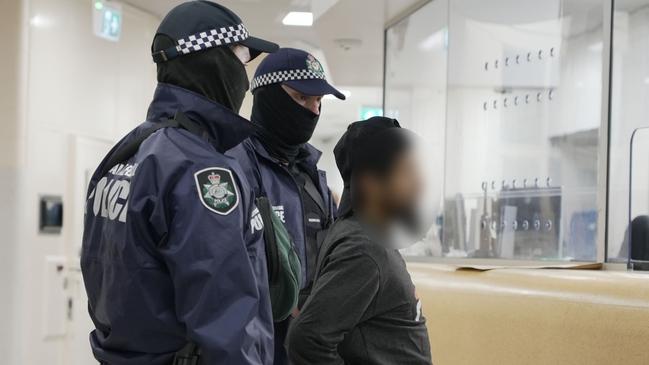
{"x":358,"y":70}
{"x":364,"y":20}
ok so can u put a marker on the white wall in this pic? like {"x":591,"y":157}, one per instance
{"x":77,"y":86}
{"x":11,"y":75}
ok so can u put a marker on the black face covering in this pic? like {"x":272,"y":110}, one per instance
{"x":283,"y":125}
{"x":215,"y":73}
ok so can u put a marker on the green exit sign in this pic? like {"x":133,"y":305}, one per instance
{"x":107,"y":20}
{"x":368,"y":112}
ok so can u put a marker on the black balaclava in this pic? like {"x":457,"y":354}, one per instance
{"x":283,"y":126}
{"x":215,"y":73}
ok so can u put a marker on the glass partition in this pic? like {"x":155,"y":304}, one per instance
{"x":629,"y":110}
{"x":635,"y":247}
{"x":523,"y":95}
{"x":415,"y":94}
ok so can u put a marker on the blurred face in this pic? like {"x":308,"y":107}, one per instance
{"x":311,"y":103}
{"x":398,"y":192}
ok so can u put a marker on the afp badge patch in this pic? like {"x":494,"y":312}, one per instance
{"x":313,"y":65}
{"x":217,"y":190}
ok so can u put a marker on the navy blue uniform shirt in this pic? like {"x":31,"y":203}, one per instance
{"x":173,"y":248}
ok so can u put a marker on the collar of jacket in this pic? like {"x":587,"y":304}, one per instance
{"x":345,"y":206}
{"x":309,"y":155}
{"x":223,"y":127}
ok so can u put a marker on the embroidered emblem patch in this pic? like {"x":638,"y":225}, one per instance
{"x":314,"y":65}
{"x":217,"y":190}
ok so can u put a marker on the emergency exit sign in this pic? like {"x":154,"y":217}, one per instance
{"x":107,"y":20}
{"x":368,"y":112}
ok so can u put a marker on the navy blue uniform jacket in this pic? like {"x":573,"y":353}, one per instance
{"x":270,"y":178}
{"x":173,"y":248}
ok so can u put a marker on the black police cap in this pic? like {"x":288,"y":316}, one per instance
{"x":297,"y":69}
{"x":195,"y":26}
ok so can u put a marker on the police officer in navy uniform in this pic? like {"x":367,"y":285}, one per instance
{"x":173,"y":258}
{"x":280,"y":163}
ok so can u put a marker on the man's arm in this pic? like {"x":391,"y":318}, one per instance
{"x":216,"y":294}
{"x":343,"y":292}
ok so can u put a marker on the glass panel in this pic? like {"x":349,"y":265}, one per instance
{"x":415,"y":94}
{"x":629,"y":90}
{"x":638,"y":235}
{"x":523,"y":117}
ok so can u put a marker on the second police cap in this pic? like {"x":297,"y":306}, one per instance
{"x":195,"y":26}
{"x":297,"y":69}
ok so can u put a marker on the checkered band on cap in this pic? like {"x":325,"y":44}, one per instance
{"x":281,"y":76}
{"x":212,"y":38}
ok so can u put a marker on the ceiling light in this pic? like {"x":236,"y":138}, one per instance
{"x":298,"y":18}
{"x":40,"y":21}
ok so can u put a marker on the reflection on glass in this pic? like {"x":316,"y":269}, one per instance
{"x":521,"y":123}
{"x":635,"y":246}
{"x":415,"y":94}
{"x":541,"y":124}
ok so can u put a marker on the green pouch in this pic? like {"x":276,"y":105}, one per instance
{"x":284,"y":268}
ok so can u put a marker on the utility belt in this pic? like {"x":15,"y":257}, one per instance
{"x":188,"y":355}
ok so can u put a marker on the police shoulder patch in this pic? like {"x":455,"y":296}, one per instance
{"x":217,"y":189}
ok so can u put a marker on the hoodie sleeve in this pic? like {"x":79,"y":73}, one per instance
{"x":343,"y":293}
{"x":210,"y":264}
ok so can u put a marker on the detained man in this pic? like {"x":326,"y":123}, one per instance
{"x":363,"y":308}
{"x":288,"y":88}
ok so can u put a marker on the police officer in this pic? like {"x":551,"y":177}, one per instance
{"x":173,"y":258}
{"x":288,"y":88}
